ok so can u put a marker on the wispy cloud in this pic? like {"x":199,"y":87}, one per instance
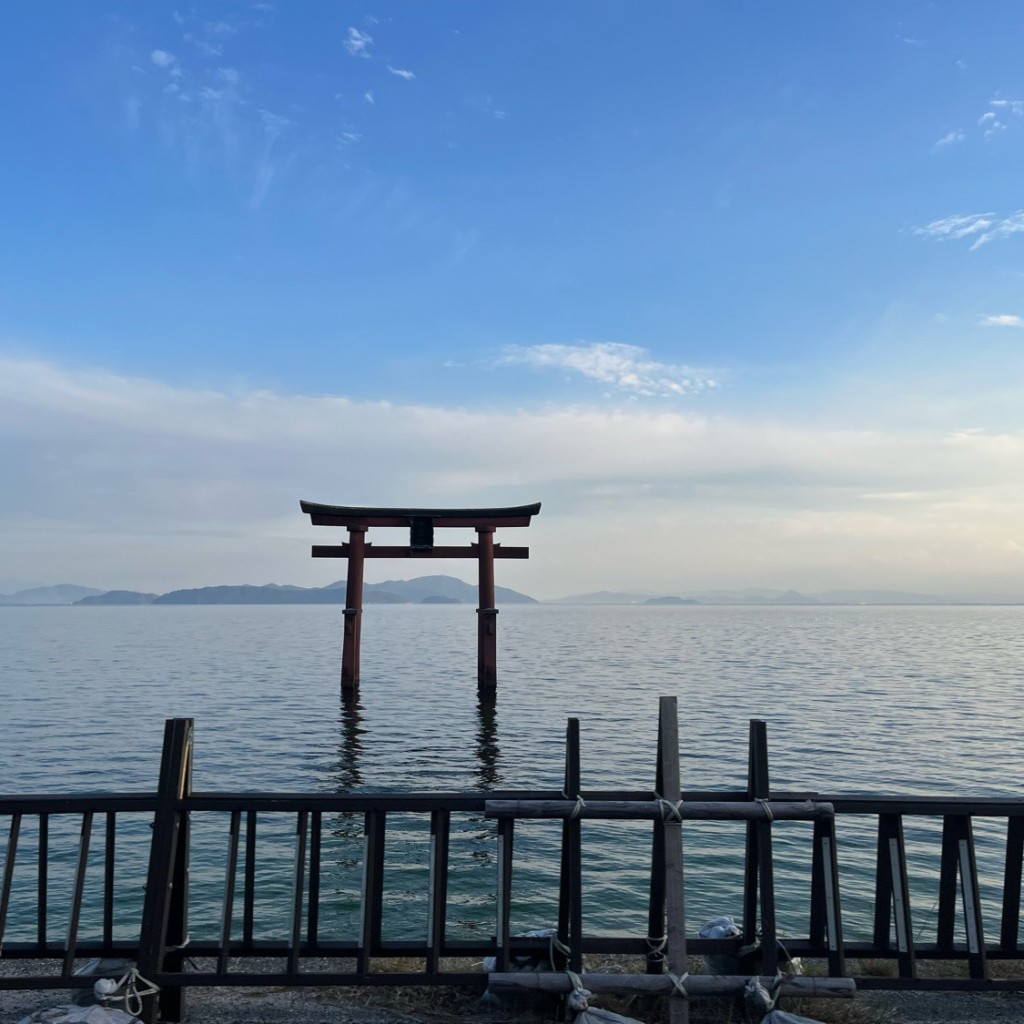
{"x":1002,"y":320}
{"x":163,"y":59}
{"x":627,"y":368}
{"x":402,"y":73}
{"x":998,"y":117}
{"x":981,"y":227}
{"x":368,"y":96}
{"x":358,"y":42}
{"x":949,"y":139}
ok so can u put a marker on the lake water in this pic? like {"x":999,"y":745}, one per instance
{"x":881,"y":700}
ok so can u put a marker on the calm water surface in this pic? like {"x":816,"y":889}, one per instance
{"x":884,"y":700}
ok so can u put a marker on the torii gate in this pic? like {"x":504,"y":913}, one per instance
{"x":421,"y":523}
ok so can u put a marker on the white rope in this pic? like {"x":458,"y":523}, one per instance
{"x":677,"y":983}
{"x":106,"y":988}
{"x":670,"y":812}
{"x":579,"y":808}
{"x":657,"y":946}
{"x":767,"y":810}
{"x":557,"y":946}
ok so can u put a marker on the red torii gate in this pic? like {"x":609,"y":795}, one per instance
{"x":421,"y":523}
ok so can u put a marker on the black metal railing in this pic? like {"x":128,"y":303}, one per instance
{"x":159,"y":925}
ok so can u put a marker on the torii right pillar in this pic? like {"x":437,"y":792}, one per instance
{"x":487,"y":616}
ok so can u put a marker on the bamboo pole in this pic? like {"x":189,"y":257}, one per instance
{"x":797,"y":985}
{"x":690,"y":810}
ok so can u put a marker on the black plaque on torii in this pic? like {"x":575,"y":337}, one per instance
{"x":421,"y":523}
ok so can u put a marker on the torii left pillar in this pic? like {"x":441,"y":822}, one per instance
{"x":353,"y":608}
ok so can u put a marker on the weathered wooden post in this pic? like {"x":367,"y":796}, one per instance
{"x":164,"y":928}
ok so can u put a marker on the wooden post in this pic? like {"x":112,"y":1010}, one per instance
{"x":759,"y":874}
{"x":165,"y":909}
{"x":353,"y":608}
{"x":487,"y":624}
{"x":570,"y":897}
{"x":669,"y":788}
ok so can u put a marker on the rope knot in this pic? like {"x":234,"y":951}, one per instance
{"x":679,"y":989}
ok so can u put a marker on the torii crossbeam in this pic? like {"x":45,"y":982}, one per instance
{"x":421,"y":523}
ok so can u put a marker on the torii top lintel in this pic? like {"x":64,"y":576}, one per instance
{"x":346,"y":515}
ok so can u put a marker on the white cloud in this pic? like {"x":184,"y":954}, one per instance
{"x":626,"y":367}
{"x":357,"y":42}
{"x":368,"y":96}
{"x":1002,"y":320}
{"x":401,"y":73}
{"x":982,"y":227}
{"x":949,"y":139}
{"x":1015,"y":107}
{"x":124,"y":481}
{"x":163,"y":59}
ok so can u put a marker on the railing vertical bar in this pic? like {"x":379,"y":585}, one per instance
{"x":656,"y":903}
{"x":437,"y":908}
{"x":1009,"y":926}
{"x":43,"y":874}
{"x":901,"y":899}
{"x":670,"y":789}
{"x":294,"y":947}
{"x":881,"y":938}
{"x":373,"y":889}
{"x":971,"y":894}
{"x":947,"y":885}
{"x":377,"y":903}
{"x":315,"y":841}
{"x":8,"y":878}
{"x":108,"y":877}
{"x":228,"y":911}
{"x":249,"y":882}
{"x":77,"y":894}
{"x":817,"y":930}
{"x":503,"y":906}
{"x":833,"y":904}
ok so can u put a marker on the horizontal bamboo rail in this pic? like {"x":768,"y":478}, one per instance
{"x":662,"y":810}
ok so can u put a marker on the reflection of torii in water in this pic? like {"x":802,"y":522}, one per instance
{"x":421,"y":523}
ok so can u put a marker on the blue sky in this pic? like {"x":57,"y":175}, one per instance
{"x":740,"y":283}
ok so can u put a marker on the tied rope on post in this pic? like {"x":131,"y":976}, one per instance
{"x":577,"y":1001}
{"x":106,"y":990}
{"x":656,"y":948}
{"x":671,"y":812}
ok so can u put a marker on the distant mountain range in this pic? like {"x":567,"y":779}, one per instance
{"x":422,"y":590}
{"x":759,"y":596}
{"x":449,"y":590}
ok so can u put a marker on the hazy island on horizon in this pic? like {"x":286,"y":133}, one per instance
{"x":440,"y":589}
